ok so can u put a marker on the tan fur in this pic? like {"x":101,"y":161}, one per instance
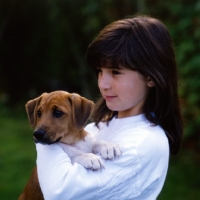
{"x":32,"y":190}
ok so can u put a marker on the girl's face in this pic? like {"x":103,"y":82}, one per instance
{"x":124,"y":90}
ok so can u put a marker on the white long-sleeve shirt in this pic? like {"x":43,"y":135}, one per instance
{"x":139,"y":173}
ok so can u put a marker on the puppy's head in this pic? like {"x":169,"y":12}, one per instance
{"x":58,"y":114}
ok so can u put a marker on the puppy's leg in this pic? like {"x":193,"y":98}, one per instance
{"x":106,"y":150}
{"x":32,"y":190}
{"x":88,"y":160}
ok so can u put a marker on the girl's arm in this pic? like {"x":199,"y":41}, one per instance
{"x":59,"y":179}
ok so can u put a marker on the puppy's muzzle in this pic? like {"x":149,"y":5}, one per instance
{"x":39,"y":136}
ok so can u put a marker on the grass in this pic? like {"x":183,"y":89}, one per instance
{"x":18,"y":155}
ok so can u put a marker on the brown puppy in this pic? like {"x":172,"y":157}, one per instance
{"x":60,"y":117}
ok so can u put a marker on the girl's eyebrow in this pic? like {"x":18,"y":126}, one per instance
{"x":118,"y":68}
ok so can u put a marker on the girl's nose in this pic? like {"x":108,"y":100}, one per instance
{"x":104,"y":81}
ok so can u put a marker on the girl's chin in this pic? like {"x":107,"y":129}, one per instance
{"x":111,"y":108}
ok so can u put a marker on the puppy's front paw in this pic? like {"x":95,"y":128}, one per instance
{"x":89,"y":161}
{"x":107,"y":150}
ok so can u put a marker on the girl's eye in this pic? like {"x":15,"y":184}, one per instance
{"x":57,"y":113}
{"x":116,"y":72}
{"x":39,"y":113}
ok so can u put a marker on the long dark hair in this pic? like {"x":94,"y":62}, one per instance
{"x":143,"y":44}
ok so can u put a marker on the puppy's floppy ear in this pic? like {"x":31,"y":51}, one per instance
{"x":30,"y":110}
{"x":81,"y":109}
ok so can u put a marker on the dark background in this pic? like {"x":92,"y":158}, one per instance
{"x":42,"y":48}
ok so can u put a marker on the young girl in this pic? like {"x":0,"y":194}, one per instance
{"x":137,"y":76}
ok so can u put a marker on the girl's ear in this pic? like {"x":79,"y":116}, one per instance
{"x":150,"y":82}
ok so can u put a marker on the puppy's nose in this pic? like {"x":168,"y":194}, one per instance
{"x":39,"y":135}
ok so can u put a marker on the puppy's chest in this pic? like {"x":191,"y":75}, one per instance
{"x":86,"y":144}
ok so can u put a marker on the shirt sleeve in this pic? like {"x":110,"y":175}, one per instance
{"x":59,"y":179}
{"x":153,"y":154}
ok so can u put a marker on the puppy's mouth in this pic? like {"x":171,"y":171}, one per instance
{"x":40,"y":136}
{"x":46,"y":140}
{"x":56,"y":140}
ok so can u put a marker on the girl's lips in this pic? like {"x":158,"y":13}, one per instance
{"x":109,"y":97}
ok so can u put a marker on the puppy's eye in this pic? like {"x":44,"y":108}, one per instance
{"x":57,"y":113}
{"x":39,"y":113}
